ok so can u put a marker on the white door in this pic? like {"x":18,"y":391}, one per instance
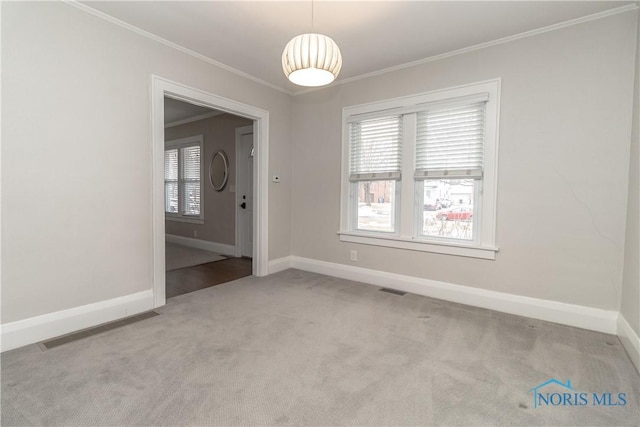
{"x":244,"y":195}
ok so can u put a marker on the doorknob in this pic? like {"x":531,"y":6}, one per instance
{"x":243,"y":205}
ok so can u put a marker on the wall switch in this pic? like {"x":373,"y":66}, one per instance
{"x":354,"y":255}
{"x":276,"y":178}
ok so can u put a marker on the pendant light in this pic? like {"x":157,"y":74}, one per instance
{"x":311,"y":59}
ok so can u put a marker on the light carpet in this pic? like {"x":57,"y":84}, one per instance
{"x":297,"y":348}
{"x":179,"y":256}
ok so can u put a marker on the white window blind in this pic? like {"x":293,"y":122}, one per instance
{"x":171,"y":181}
{"x":190,"y":180}
{"x":375,"y":149}
{"x":450,"y":141}
{"x":182,"y":178}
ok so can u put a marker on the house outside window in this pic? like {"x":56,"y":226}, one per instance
{"x":183,"y":175}
{"x":420,"y":172}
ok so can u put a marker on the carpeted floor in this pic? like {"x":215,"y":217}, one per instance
{"x":179,"y":256}
{"x":298,"y":348}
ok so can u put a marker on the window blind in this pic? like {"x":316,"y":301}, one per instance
{"x":171,"y":181}
{"x":375,"y":149}
{"x":450,"y":141}
{"x":191,"y":180}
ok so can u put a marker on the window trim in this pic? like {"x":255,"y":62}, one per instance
{"x":190,"y":141}
{"x":484,"y":244}
{"x":353,"y":202}
{"x":477,"y":219}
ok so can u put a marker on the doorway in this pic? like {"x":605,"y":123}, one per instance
{"x":200,"y":198}
{"x":162,"y":88}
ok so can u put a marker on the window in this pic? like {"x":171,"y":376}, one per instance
{"x":375,"y":164}
{"x":420,"y":172}
{"x":183,"y":178}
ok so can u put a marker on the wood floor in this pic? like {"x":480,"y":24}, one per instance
{"x":202,"y":276}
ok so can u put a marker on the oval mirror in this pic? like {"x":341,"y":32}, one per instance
{"x":219,"y":170}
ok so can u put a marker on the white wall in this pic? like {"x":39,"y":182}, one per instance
{"x":630,"y":305}
{"x":563,"y":164}
{"x":76,"y":161}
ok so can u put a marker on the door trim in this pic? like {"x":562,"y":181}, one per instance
{"x":239,"y":132}
{"x":161,"y":87}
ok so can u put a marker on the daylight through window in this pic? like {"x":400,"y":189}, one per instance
{"x":182,"y":178}
{"x":375,"y":165}
{"x":421,"y":171}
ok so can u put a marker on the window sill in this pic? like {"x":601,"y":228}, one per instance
{"x":184,"y":219}
{"x":422,"y":246}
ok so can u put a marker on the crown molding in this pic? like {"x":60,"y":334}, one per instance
{"x":147,"y":34}
{"x":531,"y":33}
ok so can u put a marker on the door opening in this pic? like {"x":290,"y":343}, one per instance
{"x":256,"y":244}
{"x":200,"y":198}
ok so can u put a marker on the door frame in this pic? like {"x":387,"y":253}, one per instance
{"x":161,"y":87}
{"x":239,"y":133}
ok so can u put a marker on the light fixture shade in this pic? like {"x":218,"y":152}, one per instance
{"x":311,"y":60}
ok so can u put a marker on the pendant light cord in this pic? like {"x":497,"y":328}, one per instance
{"x":312,"y":16}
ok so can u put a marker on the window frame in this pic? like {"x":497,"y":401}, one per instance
{"x":407,"y":232}
{"x":353,"y":196}
{"x":476,"y":221}
{"x":179,"y":144}
{"x":373,"y":174}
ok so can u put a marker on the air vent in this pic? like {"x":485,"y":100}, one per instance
{"x":75,"y":336}
{"x":393,"y":291}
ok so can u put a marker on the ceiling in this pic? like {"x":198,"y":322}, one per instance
{"x":250,"y":36}
{"x":176,"y":111}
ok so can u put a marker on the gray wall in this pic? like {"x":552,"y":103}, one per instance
{"x":630,"y":305}
{"x":76,"y":161}
{"x":219,"y":133}
{"x":563,"y":164}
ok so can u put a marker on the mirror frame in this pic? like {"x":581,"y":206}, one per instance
{"x":225,"y":162}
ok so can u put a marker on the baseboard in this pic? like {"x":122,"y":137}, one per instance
{"x":630,"y":340}
{"x":36,"y":329}
{"x":552,"y":311}
{"x":220,"y":248}
{"x":279,"y":264}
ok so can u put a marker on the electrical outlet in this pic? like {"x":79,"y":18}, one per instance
{"x":354,"y":255}
{"x":195,"y":233}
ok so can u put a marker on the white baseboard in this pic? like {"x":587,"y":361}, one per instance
{"x":201,"y":244}
{"x":39,"y":328}
{"x":279,"y":264}
{"x":35,"y":329}
{"x":552,"y":311}
{"x":630,"y":340}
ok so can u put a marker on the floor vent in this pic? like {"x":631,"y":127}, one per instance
{"x":75,"y":336}
{"x":393,"y":291}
